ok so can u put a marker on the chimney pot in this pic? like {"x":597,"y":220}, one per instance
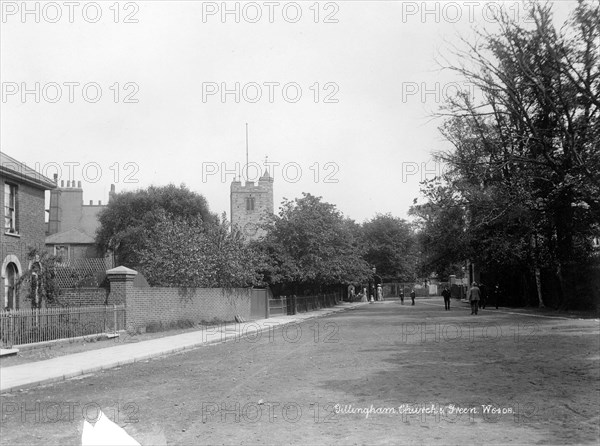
{"x":55,"y":177}
{"x":112,"y":187}
{"x":68,"y":183}
{"x":62,"y":183}
{"x":99,"y":202}
{"x":91,"y":202}
{"x":79,"y":184}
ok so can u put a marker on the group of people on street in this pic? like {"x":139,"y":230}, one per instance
{"x":413,"y":294}
{"x":475,"y":296}
{"x":363,"y":296}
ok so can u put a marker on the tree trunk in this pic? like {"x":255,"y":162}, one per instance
{"x":538,"y":285}
{"x":564,"y":233}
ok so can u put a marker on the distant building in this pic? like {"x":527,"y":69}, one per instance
{"x":23,"y":204}
{"x":72,"y":224}
{"x":250,"y":203}
{"x":73,"y":244}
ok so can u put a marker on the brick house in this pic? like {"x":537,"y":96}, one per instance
{"x":72,"y":224}
{"x":23,"y":205}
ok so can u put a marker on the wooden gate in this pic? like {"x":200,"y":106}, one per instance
{"x":258,"y":304}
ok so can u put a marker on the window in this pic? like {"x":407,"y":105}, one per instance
{"x":10,"y":208}
{"x":250,"y":203}
{"x":62,"y":251}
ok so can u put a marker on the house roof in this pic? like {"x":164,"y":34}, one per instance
{"x":18,"y":171}
{"x":73,"y":236}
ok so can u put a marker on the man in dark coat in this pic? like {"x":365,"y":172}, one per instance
{"x":474,"y":298}
{"x":412,"y":296}
{"x":446,"y":296}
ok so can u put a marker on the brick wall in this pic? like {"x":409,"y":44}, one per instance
{"x":83,"y":296}
{"x":169,"y":305}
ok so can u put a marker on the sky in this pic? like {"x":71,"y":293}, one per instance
{"x":338,"y":96}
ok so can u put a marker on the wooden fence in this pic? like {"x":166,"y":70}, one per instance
{"x":26,"y":326}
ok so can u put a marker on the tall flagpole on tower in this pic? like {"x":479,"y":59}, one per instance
{"x":246,"y":151}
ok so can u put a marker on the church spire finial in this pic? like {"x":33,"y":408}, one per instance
{"x":266,"y":163}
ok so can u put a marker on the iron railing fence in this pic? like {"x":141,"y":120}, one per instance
{"x":26,"y":326}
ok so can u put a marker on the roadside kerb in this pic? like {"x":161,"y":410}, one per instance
{"x":70,"y":366}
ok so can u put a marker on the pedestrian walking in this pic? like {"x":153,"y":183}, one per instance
{"x":446,"y":296}
{"x":412,"y":296}
{"x":402,"y":297}
{"x":351,"y":294}
{"x":379,"y":292}
{"x":474,"y":298}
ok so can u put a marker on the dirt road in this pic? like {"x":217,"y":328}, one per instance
{"x":381,"y":374}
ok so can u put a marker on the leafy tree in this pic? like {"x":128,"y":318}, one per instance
{"x":310,"y":246}
{"x":525,"y":169}
{"x":441,"y":233}
{"x":125,"y":223}
{"x":189,"y":253}
{"x":388,"y":243}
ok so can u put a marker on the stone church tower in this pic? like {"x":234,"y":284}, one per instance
{"x":250,"y":203}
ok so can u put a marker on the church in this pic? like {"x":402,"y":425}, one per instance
{"x":250,"y":204}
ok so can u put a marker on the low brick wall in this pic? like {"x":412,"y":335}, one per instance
{"x":168,"y":305}
{"x":77,"y":297}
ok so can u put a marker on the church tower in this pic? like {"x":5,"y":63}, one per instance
{"x":250,"y":204}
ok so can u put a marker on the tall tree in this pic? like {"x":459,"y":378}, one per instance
{"x":525,"y":166}
{"x":388,"y":243}
{"x":310,"y":246}
{"x":125,"y":223}
{"x":189,"y":253}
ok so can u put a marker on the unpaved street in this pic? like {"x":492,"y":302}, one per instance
{"x":380,"y":374}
